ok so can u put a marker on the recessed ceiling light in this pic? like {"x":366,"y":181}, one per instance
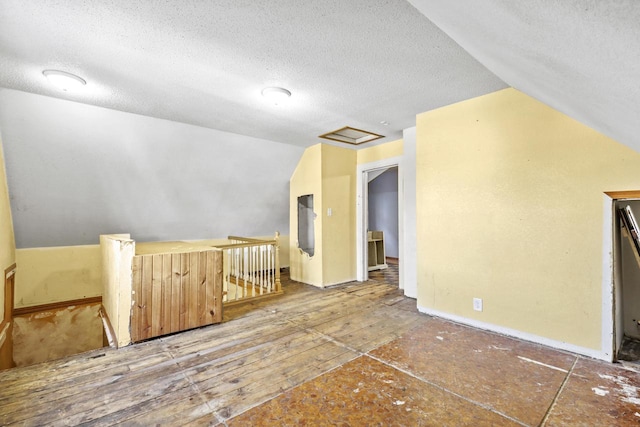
{"x":63,"y":80}
{"x":276,"y":95}
{"x":384,"y":122}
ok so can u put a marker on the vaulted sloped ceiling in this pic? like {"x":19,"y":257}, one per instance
{"x":347,"y":63}
{"x":353,"y":62}
{"x":580,"y":57}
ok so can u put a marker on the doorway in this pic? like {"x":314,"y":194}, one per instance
{"x":626,"y":277}
{"x":382,"y":220}
{"x":365,"y":174}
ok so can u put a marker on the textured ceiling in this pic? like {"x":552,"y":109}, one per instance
{"x":580,"y":57}
{"x":347,"y":63}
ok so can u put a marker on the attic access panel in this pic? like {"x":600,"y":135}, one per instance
{"x":351,"y":135}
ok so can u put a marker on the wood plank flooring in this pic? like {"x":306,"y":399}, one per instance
{"x":356,"y":354}
{"x":211,"y":374}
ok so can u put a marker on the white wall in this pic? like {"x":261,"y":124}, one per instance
{"x":76,"y":171}
{"x":408,"y":253}
{"x":383,"y":209}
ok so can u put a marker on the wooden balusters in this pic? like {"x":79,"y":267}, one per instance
{"x":252,"y":268}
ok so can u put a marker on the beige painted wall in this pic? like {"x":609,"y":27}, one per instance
{"x":339,"y":228}
{"x":48,"y":275}
{"x":380,"y":152}
{"x":7,"y":242}
{"x":327,"y":172}
{"x":306,"y":179}
{"x":510,"y":209}
{"x":117,"y":253}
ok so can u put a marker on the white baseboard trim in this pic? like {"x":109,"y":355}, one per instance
{"x":595,"y":354}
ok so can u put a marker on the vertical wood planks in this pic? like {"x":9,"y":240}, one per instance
{"x":156,"y":298}
{"x":165,"y":327}
{"x":202,"y":288}
{"x":184,"y":291}
{"x":176,"y":277}
{"x":137,"y":306}
{"x":175,"y":292}
{"x":209,"y":287}
{"x":217,"y":285}
{"x":192,"y":309}
{"x":147,"y":273}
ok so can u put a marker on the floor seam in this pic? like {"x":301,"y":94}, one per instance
{"x":193,"y":384}
{"x":424,"y":380}
{"x":291,"y":387}
{"x":557,"y":396}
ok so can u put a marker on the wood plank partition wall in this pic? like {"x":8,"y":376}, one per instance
{"x":175,"y":292}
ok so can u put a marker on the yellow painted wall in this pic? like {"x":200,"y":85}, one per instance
{"x":306,"y":179}
{"x":338,"y":230}
{"x":7,"y":242}
{"x":117,"y":252}
{"x":327,"y":172}
{"x":380,"y":152}
{"x":510,"y":209}
{"x":48,"y":275}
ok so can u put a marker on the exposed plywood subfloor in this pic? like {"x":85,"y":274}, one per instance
{"x":357,"y":354}
{"x":52,"y":334}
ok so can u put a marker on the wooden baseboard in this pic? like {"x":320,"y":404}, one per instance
{"x":55,"y":306}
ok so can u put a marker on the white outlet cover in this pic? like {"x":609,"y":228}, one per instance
{"x":477,"y":304}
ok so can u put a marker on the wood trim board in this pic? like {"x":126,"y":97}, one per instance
{"x":55,"y":305}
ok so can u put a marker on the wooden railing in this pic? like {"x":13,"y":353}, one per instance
{"x":154,"y":294}
{"x":251,"y":268}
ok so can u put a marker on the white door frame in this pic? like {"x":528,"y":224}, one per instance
{"x":362,"y":203}
{"x":608,"y":332}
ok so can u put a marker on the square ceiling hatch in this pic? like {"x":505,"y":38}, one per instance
{"x":351,"y":135}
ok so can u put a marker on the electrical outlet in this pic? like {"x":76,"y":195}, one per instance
{"x":477,"y":304}
{"x":329,"y":211}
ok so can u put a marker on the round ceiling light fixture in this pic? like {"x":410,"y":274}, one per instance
{"x":63,"y":80}
{"x":276,"y":95}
